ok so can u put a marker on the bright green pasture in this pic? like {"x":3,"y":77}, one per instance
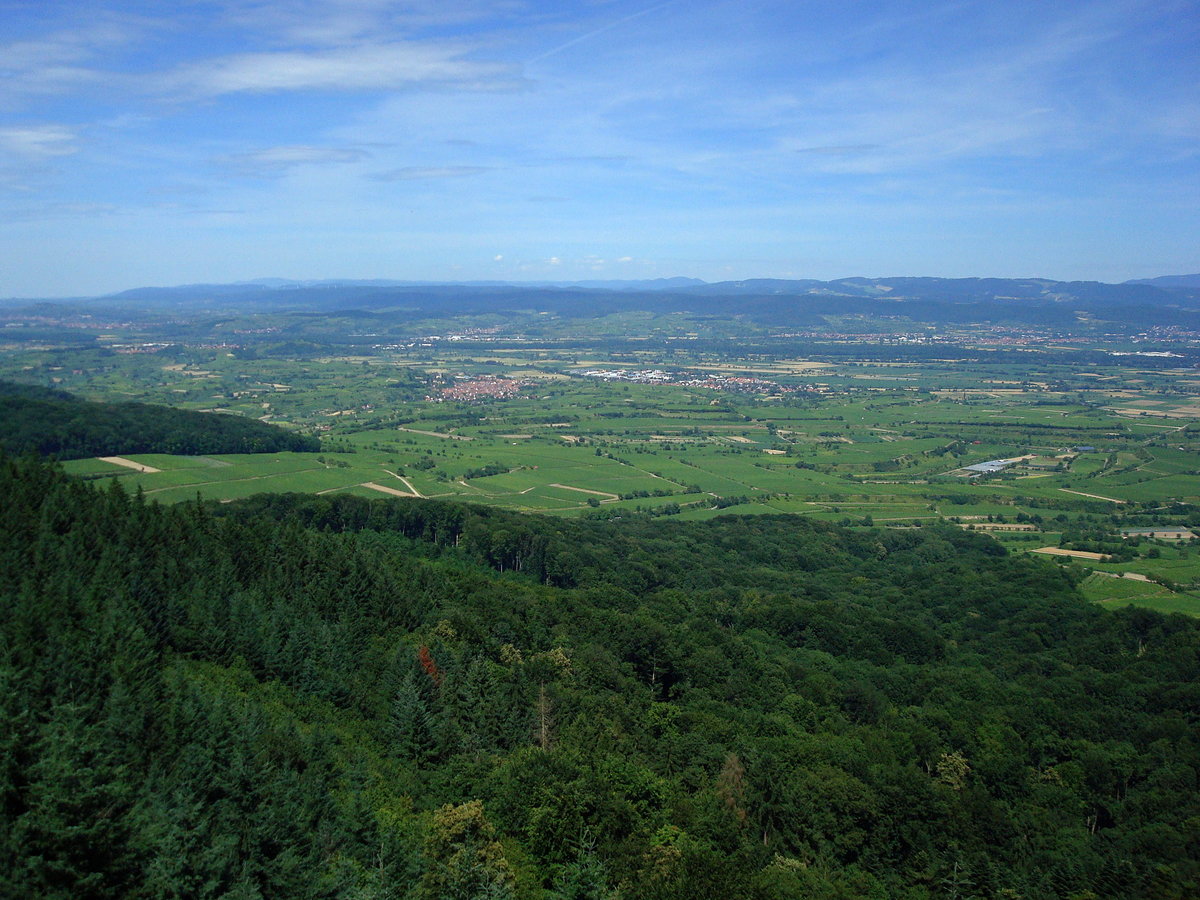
{"x":1172,"y":565}
{"x":1116,"y":592}
{"x":90,"y":468}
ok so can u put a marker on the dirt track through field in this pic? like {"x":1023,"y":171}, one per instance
{"x":408,"y":484}
{"x":129,"y":464}
{"x":438,"y":434}
{"x":387,"y":490}
{"x":1093,"y":496}
{"x":1081,"y":554}
{"x":568,"y":487}
{"x":1132,"y":576}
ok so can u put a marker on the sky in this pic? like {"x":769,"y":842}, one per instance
{"x":151,"y":143}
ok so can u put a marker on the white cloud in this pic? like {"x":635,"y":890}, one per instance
{"x":365,"y":68}
{"x":35,"y":142}
{"x":338,"y":45}
{"x":342,"y":21}
{"x":56,"y":62}
{"x":276,"y":160}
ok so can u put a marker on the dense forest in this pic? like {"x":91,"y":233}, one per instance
{"x":50,"y":422}
{"x":331,"y":697}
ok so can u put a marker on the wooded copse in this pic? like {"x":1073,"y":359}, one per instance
{"x":56,"y":423}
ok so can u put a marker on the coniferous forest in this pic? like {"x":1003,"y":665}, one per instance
{"x":52,"y":422}
{"x":297,"y":696}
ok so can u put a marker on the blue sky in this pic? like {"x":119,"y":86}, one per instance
{"x":168,"y":143}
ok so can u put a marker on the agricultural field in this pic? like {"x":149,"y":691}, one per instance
{"x":1036,"y":455}
{"x":1114,"y":592}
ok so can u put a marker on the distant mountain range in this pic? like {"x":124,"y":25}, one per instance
{"x":1170,"y":281}
{"x":287,"y":284}
{"x":1169,"y":300}
{"x":1166,"y":290}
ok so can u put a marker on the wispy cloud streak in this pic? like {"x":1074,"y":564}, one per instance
{"x":372,"y":68}
{"x":423,"y":173}
{"x":278,"y":160}
{"x":598,"y":31}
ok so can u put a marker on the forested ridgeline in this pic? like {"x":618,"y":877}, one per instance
{"x":284,"y":701}
{"x":51,"y":422}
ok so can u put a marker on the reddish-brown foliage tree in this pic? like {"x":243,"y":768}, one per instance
{"x":428,"y":664}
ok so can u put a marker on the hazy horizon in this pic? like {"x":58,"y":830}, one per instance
{"x":599,"y":283}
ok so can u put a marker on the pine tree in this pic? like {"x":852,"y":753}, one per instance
{"x":409,"y":717}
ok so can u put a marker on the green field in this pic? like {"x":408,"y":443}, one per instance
{"x":1115,"y":592}
{"x":861,"y":443}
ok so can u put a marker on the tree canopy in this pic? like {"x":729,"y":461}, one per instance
{"x":320,"y":697}
{"x":51,"y":422}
